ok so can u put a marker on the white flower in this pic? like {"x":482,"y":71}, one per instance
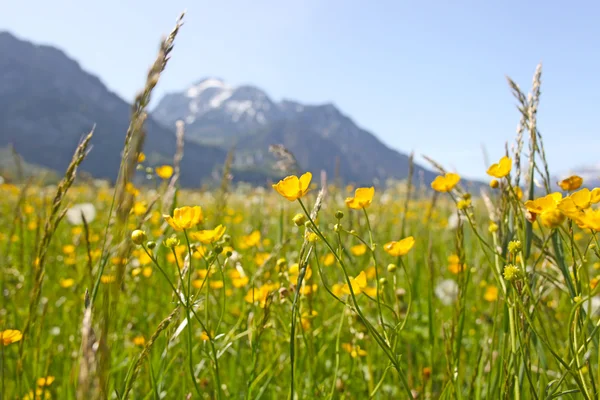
{"x":74,"y":214}
{"x":446,"y":291}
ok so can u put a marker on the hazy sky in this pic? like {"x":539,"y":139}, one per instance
{"x":426,"y":76}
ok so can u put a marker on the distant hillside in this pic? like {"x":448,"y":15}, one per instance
{"x":47,"y":103}
{"x":319,"y":135}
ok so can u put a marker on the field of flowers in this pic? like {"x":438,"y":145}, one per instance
{"x":305,"y":289}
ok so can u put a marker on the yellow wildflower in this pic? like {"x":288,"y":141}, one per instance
{"x":47,"y":381}
{"x":67,"y":283}
{"x":10,"y":336}
{"x":491,"y":293}
{"x":445,"y":183}
{"x":547,"y":209}
{"x":164,"y":171}
{"x":354,"y":351}
{"x":139,"y":340}
{"x":501,"y":168}
{"x":401,"y":247}
{"x":292,"y":187}
{"x":251,"y":240}
{"x":185,"y":218}
{"x":208,"y":236}
{"x":359,"y":249}
{"x":573,"y":182}
{"x":362,"y":198}
{"x":359,"y":285}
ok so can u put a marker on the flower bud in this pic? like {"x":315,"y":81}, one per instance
{"x":138,"y":236}
{"x":151,"y":244}
{"x":226,"y":238}
{"x":339,"y":214}
{"x":337,"y":227}
{"x":218,"y":249}
{"x":494,"y":184}
{"x":172,"y":242}
{"x":299,"y":219}
{"x":392,"y":268}
{"x":383,"y":281}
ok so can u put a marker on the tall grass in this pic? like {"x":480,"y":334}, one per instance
{"x":292,"y":303}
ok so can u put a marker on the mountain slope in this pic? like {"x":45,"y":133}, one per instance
{"x":318,"y":135}
{"x":47,"y":103}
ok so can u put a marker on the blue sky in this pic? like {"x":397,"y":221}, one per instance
{"x":427,"y":76}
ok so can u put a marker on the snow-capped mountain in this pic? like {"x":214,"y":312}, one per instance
{"x":319,"y":135}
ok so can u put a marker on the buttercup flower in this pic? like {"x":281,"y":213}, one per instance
{"x":401,"y":247}
{"x":210,"y":235}
{"x":362,"y":198}
{"x":354,"y":351}
{"x":359,"y":285}
{"x":547,"y":209}
{"x":445,"y":183}
{"x":164,"y":171}
{"x":501,"y":168}
{"x":185,"y":218}
{"x":491,"y":293}
{"x":577,"y":202}
{"x":571,"y":183}
{"x":292,"y":187}
{"x":47,"y":381}
{"x":10,"y":336}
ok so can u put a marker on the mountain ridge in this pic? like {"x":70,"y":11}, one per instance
{"x":218,"y":113}
{"x":48,"y":102}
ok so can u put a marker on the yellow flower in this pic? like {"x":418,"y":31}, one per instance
{"x":329,"y":259}
{"x":139,"y":208}
{"x":209,"y":235}
{"x":491,"y":293}
{"x":399,"y":248}
{"x":185,"y":218}
{"x":454,"y":265}
{"x":139,"y":341}
{"x":141,"y":158}
{"x":501,"y":168}
{"x":463,"y":204}
{"x":547,"y":209}
{"x":164,"y":171}
{"x":294,"y":272}
{"x":66,"y":283}
{"x":362,"y":198}
{"x":251,"y":240}
{"x":292,"y":187}
{"x":359,"y":249}
{"x":571,"y":183}
{"x":10,"y":336}
{"x":47,"y":381}
{"x":589,"y":219}
{"x":577,"y":202}
{"x":355,"y":351}
{"x":359,"y":285}
{"x":107,"y":278}
{"x":446,"y":182}
{"x":260,"y":258}
{"x":216,"y":284}
{"x":68,"y":249}
{"x":240,"y":281}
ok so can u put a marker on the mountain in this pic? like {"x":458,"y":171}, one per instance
{"x":48,"y":102}
{"x":320,"y":136}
